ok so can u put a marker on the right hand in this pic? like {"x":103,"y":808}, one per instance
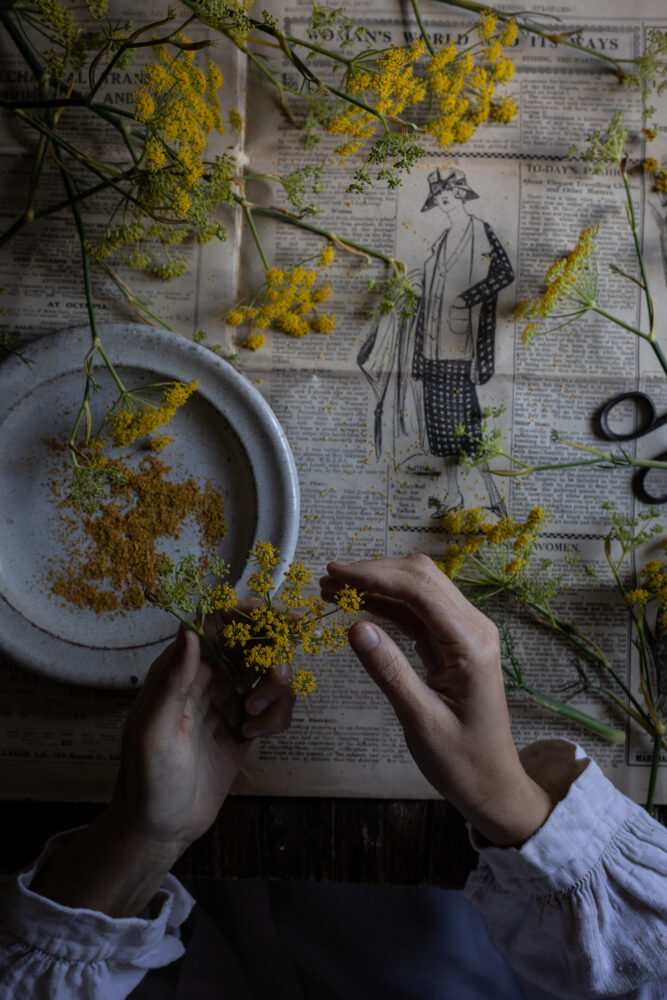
{"x":456,"y":722}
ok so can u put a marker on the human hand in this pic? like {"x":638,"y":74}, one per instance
{"x":180,"y":755}
{"x":456,"y":722}
{"x":181,"y":751}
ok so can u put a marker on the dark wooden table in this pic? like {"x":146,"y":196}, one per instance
{"x":342,"y":840}
{"x":376,"y":841}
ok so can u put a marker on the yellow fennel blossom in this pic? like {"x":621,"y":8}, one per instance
{"x":393,"y":85}
{"x":316,"y":606}
{"x":655,"y":583}
{"x":237,"y":634}
{"x":452,"y":561}
{"x":136,"y":417}
{"x":327,"y":256}
{"x":235,"y":317}
{"x":260,"y":583}
{"x":650,"y":164}
{"x":267,"y":635}
{"x":504,"y":111}
{"x":144,"y":105}
{"x":64,"y":32}
{"x":494,"y":50}
{"x":515,"y":566}
{"x":261,"y":637}
{"x":639,"y":598}
{"x":286,"y":302}
{"x":571,"y":289}
{"x":160,"y":441}
{"x":253,"y":341}
{"x":350,"y":600}
{"x":502,"y":530}
{"x":223,"y":597}
{"x":179,"y":103}
{"x":536,"y":518}
{"x":321,"y":293}
{"x":323,"y":323}
{"x":356,"y":124}
{"x":334,"y":636}
{"x":261,"y":657}
{"x":265,"y":555}
{"x":463,"y":521}
{"x":461,"y":87}
{"x":523,"y":541}
{"x":509,"y":33}
{"x":491,"y":555}
{"x":303,"y":682}
{"x":297,"y":577}
{"x":487,"y":24}
{"x":502,"y":70}
{"x":388,"y":87}
{"x":155,"y":156}
{"x":655,"y":578}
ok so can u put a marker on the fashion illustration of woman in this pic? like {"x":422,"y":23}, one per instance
{"x":434,"y":360}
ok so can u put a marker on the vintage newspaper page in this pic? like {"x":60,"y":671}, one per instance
{"x":370,"y":485}
{"x":59,"y":742}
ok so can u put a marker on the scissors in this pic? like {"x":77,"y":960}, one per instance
{"x":647,"y":421}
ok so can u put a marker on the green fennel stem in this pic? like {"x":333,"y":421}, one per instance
{"x":274,"y":213}
{"x":96,"y":341}
{"x":640,"y":257}
{"x":137,"y":305}
{"x":645,"y":661}
{"x":418,"y":17}
{"x":610,"y":733}
{"x":226,"y":665}
{"x":57,"y":207}
{"x":11,"y":26}
{"x":255,"y":235}
{"x":653,"y":776}
{"x":586,"y":646}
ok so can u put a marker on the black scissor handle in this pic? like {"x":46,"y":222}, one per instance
{"x":640,"y":478}
{"x":643,"y":407}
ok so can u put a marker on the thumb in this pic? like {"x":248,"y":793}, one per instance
{"x":175,"y":676}
{"x":387,"y":666}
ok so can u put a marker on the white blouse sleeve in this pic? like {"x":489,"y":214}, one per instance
{"x":51,"y":952}
{"x":579,"y":911}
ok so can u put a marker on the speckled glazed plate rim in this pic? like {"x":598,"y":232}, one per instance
{"x":243,"y":407}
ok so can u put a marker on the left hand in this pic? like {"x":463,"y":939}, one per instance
{"x":180,"y":755}
{"x":180,"y":751}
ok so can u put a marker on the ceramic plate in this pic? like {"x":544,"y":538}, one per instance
{"x":226,"y":433}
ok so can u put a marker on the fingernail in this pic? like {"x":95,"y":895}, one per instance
{"x":364,"y":638}
{"x":283,"y":671}
{"x":257,"y":705}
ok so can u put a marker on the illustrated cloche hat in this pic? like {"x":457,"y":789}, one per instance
{"x":451,"y":178}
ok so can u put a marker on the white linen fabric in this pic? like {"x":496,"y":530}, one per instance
{"x":51,"y":952}
{"x":578,"y":912}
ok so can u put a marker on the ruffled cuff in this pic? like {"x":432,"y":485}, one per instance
{"x":574,"y":838}
{"x":579,"y":910}
{"x":54,"y":948}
